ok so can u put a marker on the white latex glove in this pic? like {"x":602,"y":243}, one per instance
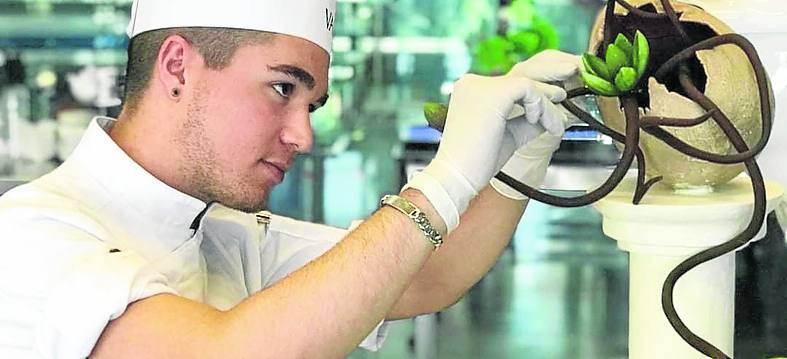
{"x":549,"y":66}
{"x":534,"y":148}
{"x":528,"y":165}
{"x":473,"y":137}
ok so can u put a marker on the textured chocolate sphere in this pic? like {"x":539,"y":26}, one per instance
{"x":724,"y":73}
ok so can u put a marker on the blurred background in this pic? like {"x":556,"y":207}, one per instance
{"x":560,"y":291}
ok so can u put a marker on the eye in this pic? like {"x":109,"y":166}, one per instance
{"x":284,"y":89}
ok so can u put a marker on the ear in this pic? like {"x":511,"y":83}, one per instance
{"x":171,"y":64}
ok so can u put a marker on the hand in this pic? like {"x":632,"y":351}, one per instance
{"x":528,"y":165}
{"x":527,"y":150}
{"x":474,"y":133}
{"x":553,"y":67}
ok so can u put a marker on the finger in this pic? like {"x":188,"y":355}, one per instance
{"x":551,"y":72}
{"x":522,"y":131}
{"x":555,"y":66}
{"x":555,"y":56}
{"x":516,"y":112}
{"x":552,"y":93}
{"x":534,"y":109}
{"x":545,"y":61}
{"x":528,"y":93}
{"x":553,"y":119}
{"x":514,"y":90}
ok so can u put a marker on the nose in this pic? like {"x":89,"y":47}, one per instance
{"x":297,"y":133}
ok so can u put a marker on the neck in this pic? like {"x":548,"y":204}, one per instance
{"x":150,"y":139}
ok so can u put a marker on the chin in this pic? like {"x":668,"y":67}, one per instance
{"x":245,"y":196}
{"x":246,"y":207}
{"x":248,"y":203}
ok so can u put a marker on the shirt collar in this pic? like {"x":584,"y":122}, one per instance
{"x":152,"y":208}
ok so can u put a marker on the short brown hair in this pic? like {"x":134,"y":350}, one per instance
{"x":217,"y":46}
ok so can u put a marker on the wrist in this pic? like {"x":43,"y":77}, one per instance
{"x":446,"y":190}
{"x":422,"y":202}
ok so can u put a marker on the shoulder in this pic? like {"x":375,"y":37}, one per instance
{"x":41,"y":209}
{"x":57,"y":266}
{"x":48,"y":226}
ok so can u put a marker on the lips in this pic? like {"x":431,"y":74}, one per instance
{"x":277,"y":169}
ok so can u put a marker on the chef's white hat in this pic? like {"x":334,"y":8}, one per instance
{"x":312,"y":20}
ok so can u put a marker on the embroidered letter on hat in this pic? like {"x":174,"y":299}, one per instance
{"x":329,"y":17}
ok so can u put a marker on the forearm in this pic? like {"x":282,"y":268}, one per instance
{"x":323,"y":310}
{"x":469,"y":252}
{"x":482,"y":128}
{"x":326,"y":308}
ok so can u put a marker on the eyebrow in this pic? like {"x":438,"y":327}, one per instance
{"x":295,"y":72}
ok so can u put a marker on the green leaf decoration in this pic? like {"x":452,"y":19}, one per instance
{"x":596,"y":66}
{"x":521,"y":12}
{"x":586,"y":66}
{"x":435,"y":114}
{"x":623,"y":43}
{"x":616,"y":58}
{"x":526,"y":42}
{"x":635,"y":61}
{"x":550,"y":39}
{"x":493,"y":56}
{"x":626,"y":79}
{"x":526,"y":36}
{"x":598,"y":85}
{"x":641,"y":53}
{"x":620,"y":72}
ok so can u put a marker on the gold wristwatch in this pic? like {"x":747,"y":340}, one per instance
{"x":408,"y":208}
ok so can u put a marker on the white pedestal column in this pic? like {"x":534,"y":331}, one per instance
{"x":662,"y":231}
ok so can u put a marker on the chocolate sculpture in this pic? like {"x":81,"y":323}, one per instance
{"x":699,"y":108}
{"x":678,"y":51}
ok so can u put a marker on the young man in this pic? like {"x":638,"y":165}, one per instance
{"x":141,"y":244}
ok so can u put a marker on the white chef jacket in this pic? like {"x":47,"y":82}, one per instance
{"x":99,"y":232}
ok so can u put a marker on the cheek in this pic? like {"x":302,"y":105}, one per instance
{"x":244,"y":122}
{"x":247,"y":131}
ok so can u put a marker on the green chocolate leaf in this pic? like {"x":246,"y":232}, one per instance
{"x":435,"y":114}
{"x":626,"y":79}
{"x":624,"y":44}
{"x":616,"y":59}
{"x":596,"y":66}
{"x":598,"y":85}
{"x":642,"y":53}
